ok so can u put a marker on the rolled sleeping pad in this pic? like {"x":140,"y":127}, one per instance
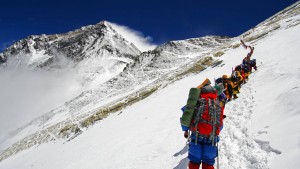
{"x":190,"y":107}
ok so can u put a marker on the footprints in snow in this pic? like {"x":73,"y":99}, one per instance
{"x":265,"y":145}
{"x":262,"y":132}
{"x":239,"y":149}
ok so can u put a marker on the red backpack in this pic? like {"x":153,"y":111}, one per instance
{"x":208,"y":116}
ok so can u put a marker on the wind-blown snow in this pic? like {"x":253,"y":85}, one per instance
{"x":137,"y":38}
{"x":28,"y":94}
{"x":261,"y":129}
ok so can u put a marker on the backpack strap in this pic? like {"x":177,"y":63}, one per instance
{"x":202,"y":103}
{"x":213,"y":115}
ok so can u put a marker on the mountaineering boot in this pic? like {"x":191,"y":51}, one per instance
{"x":207,"y":166}
{"x":193,"y":165}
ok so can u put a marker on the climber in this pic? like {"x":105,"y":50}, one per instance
{"x":204,"y":122}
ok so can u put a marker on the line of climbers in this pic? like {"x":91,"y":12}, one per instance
{"x":202,"y":118}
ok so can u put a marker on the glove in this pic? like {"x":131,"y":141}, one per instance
{"x":186,"y":134}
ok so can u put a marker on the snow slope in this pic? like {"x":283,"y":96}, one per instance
{"x":261,"y":129}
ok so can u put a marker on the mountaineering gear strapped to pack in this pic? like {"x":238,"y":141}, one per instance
{"x":203,"y":115}
{"x":189,"y":109}
{"x":206,"y":119}
{"x":186,"y":118}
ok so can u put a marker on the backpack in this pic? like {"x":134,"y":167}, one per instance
{"x":206,"y":118}
{"x":236,"y":76}
{"x":253,"y":62}
{"x":219,"y":80}
{"x":246,"y":68}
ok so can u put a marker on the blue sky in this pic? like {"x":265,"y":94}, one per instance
{"x":161,"y":20}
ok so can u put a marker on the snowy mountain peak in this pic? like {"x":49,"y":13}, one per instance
{"x":104,"y":23}
{"x":100,"y":39}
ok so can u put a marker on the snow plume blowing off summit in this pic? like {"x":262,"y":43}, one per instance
{"x":135,"y":37}
{"x":29,"y":93}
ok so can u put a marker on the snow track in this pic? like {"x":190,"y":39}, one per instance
{"x":238,"y":147}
